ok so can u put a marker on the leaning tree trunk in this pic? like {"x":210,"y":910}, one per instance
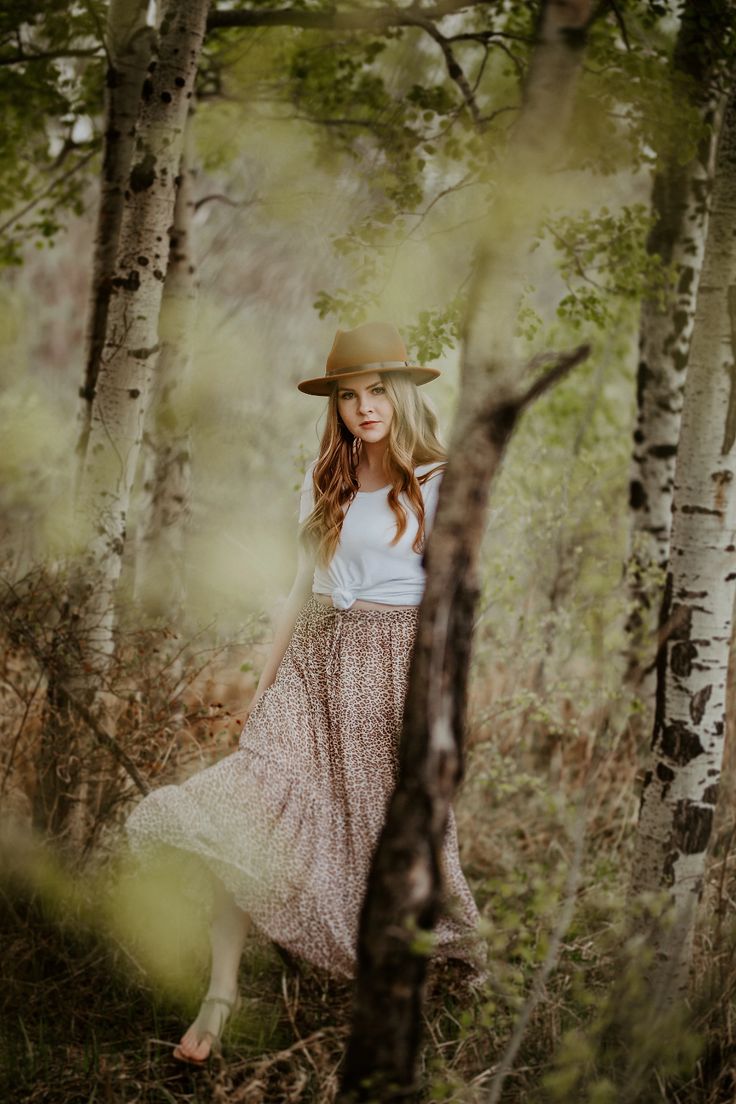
{"x":405,"y":883}
{"x":681,"y":786}
{"x":680,"y":201}
{"x":129,"y":42}
{"x":163,"y":509}
{"x":85,"y":641}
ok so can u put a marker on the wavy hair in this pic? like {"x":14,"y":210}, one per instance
{"x":413,"y":439}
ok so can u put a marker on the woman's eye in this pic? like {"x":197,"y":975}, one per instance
{"x":378,"y":390}
{"x":346,"y":395}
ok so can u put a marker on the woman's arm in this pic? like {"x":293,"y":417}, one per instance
{"x":300,"y":591}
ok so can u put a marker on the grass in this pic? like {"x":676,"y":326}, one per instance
{"x":82,"y":1019}
{"x":83,"y":1022}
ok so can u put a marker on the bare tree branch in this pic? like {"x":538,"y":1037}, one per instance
{"x":46,"y":664}
{"x":368,"y":19}
{"x":377,"y":19}
{"x":611,"y":5}
{"x":560,"y":367}
{"x":489,"y":37}
{"x":46,"y":191}
{"x":107,"y":741}
{"x":454,"y":68}
{"x":19,"y":732}
{"x":219,"y":197}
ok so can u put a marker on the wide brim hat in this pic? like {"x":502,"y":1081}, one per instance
{"x":372,"y":347}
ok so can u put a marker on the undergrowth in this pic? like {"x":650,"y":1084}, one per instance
{"x":546,"y":844}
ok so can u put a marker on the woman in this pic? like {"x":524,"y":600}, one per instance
{"x":288,"y":823}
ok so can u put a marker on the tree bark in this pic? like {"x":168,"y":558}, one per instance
{"x":129,"y":42}
{"x":131,"y":341}
{"x":163,"y":510}
{"x":680,"y":202}
{"x":681,"y":785}
{"x":404,"y":890}
{"x":85,"y":641}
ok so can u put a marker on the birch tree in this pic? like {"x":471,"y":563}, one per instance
{"x":128,"y":42}
{"x":121,"y":393}
{"x":680,"y":201}
{"x":681,"y":785}
{"x":405,"y":883}
{"x":131,"y":338}
{"x":164,"y":503}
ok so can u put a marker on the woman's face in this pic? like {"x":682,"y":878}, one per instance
{"x":364,"y":407}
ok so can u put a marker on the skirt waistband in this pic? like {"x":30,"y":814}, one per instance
{"x":408,"y":615}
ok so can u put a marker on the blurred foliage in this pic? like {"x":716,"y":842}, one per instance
{"x":384,"y":106}
{"x":51,"y":90}
{"x":346,"y":172}
{"x":423,"y":149}
{"x":603,"y":259}
{"x":356,"y":178}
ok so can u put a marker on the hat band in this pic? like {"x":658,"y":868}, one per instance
{"x":370,"y":364}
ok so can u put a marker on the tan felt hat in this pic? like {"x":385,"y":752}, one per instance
{"x":372,"y":347}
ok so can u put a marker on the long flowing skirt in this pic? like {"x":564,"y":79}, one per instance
{"x":289,"y":822}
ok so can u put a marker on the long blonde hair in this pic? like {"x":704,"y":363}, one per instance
{"x":413,"y":439}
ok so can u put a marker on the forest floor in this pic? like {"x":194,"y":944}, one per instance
{"x":79,"y":1027}
{"x":545,"y":817}
{"x":83,"y":1021}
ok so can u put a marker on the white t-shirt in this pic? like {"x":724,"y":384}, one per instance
{"x":365,"y":564}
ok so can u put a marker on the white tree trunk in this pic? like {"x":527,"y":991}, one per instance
{"x":129,"y":42}
{"x":681,"y":786}
{"x":164,"y":505}
{"x":131,"y":340}
{"x":680,"y":203}
{"x":85,"y":641}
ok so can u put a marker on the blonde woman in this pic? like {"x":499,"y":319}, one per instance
{"x":288,"y":823}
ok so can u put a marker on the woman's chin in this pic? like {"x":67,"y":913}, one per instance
{"x":372,"y":436}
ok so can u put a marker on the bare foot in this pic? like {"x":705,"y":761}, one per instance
{"x":198,"y":1040}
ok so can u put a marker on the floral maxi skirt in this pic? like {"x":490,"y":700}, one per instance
{"x":289,"y":822}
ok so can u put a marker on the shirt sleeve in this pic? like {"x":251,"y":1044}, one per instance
{"x":431,"y":490}
{"x":306,"y":497}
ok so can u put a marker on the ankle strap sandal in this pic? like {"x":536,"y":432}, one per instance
{"x":227,"y":1009}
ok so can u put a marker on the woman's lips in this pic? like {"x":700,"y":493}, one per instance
{"x":368,"y":424}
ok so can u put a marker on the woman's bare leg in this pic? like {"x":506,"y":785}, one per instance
{"x":228,"y":929}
